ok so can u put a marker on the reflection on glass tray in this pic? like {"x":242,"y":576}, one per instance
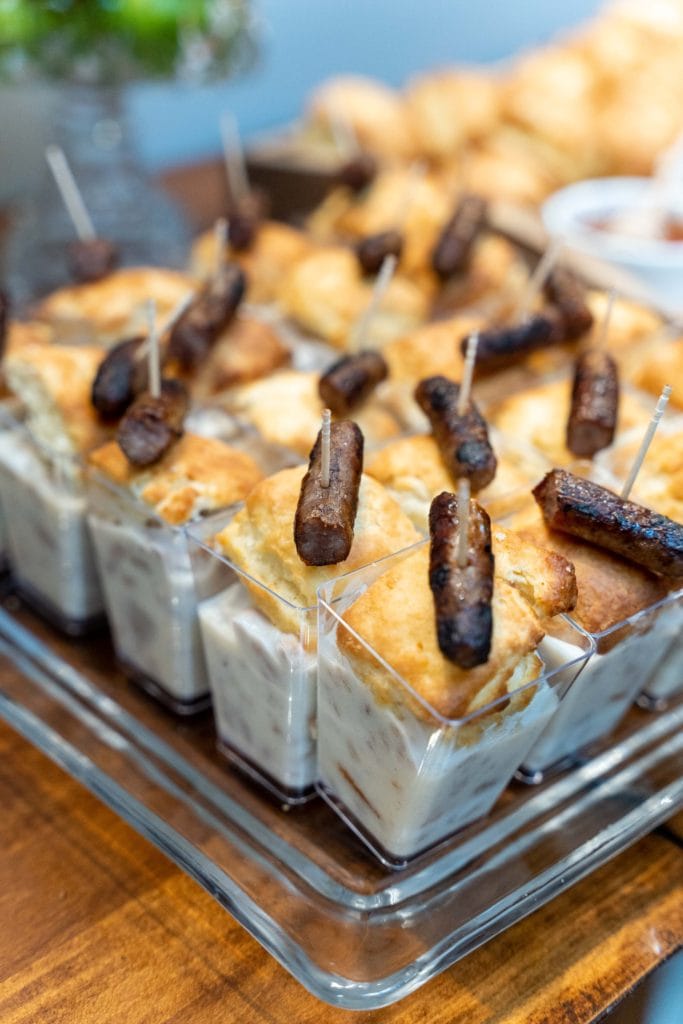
{"x":355,"y":934}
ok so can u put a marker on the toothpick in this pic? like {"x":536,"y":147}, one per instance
{"x":601,"y":341}
{"x":464,"y":521}
{"x":467,"y":374}
{"x":220,"y":234}
{"x":70,"y":193}
{"x":325,"y":449}
{"x":153,"y":350}
{"x":233,"y":153}
{"x":168,"y":324}
{"x":647,"y":440}
{"x":382,"y":281}
{"x":537,"y":280}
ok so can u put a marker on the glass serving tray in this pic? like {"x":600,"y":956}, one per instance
{"x":355,"y":934}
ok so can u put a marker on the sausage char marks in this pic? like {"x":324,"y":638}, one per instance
{"x":463,"y":441}
{"x":91,"y":259}
{"x":151,"y":424}
{"x":595,"y":403}
{"x":374,"y":249}
{"x":351,"y":380}
{"x":585,"y":509}
{"x":501,"y":346}
{"x":325,"y":516}
{"x":121,"y":376}
{"x":566,"y":293}
{"x":454,"y":246}
{"x":462,"y":595}
{"x":195,"y":332}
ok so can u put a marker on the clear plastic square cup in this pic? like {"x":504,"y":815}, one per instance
{"x":49,"y":547}
{"x":630,"y":657}
{"x":401,"y":775}
{"x":149,"y":582}
{"x":262,"y":679}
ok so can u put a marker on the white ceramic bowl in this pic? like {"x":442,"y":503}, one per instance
{"x":575,"y":213}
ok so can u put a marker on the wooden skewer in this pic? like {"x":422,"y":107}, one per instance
{"x":70,"y":193}
{"x":325,"y":449}
{"x":464,"y":520}
{"x":220,"y":234}
{"x":601,"y":340}
{"x":153,"y":351}
{"x":382,"y":281}
{"x":537,"y":279}
{"x":233,"y":154}
{"x":647,"y":440}
{"x":467,"y":374}
{"x":168,"y":324}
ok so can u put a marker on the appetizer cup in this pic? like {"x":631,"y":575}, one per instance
{"x":263,"y":680}
{"x":49,"y":547}
{"x":149,"y":584}
{"x":631,"y":656}
{"x":400,"y":774}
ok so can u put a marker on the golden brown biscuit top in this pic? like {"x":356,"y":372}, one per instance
{"x":659,"y":365}
{"x":395,"y":616}
{"x":430,"y":350}
{"x":538,"y":416}
{"x":287,"y":410}
{"x":326,"y":293}
{"x":275,"y":248}
{"x":114,"y":306}
{"x":196,"y":474}
{"x":54,"y":383}
{"x":373,"y":111}
{"x":260,"y":540}
{"x":609,"y":589}
{"x":248,"y":349}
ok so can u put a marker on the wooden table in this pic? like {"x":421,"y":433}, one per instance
{"x":98,"y":927}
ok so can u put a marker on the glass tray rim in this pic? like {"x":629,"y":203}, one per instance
{"x":33,"y":658}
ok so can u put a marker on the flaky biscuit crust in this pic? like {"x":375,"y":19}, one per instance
{"x":395,"y":617}
{"x":54,"y":384}
{"x":197,"y":474}
{"x":260,"y":540}
{"x":111,"y":308}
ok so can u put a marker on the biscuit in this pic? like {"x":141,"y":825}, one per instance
{"x":112,"y":309}
{"x":395,"y":617}
{"x":197,"y":474}
{"x":54,"y":384}
{"x":260,"y":540}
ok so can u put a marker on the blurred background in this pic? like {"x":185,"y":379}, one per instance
{"x":298,"y":43}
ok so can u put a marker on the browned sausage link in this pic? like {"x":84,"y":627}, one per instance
{"x":463,"y":440}
{"x":120,"y":377}
{"x":373,"y":250}
{"x":584,"y":509}
{"x":501,"y":346}
{"x":4,"y":322}
{"x":91,"y":259}
{"x":566,"y":292}
{"x":454,"y":247}
{"x":462,"y":596}
{"x":351,"y":380}
{"x":595,"y":401}
{"x":195,"y":332}
{"x":358,"y":172}
{"x":244,"y":219}
{"x":151,"y":425}
{"x":325,"y":516}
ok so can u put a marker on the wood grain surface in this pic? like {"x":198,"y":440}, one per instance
{"x":98,"y":927}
